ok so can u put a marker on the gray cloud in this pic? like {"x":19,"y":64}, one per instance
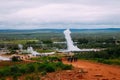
{"x":30,"y":14}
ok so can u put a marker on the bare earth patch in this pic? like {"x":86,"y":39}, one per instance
{"x":85,"y":70}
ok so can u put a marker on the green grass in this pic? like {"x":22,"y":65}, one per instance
{"x":105,"y":61}
{"x":44,"y":51}
{"x":45,"y":58}
{"x":17,"y":41}
{"x":110,"y":61}
{"x":43,"y":67}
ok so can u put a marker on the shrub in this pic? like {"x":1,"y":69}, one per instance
{"x":30,"y":68}
{"x":67,"y":67}
{"x":14,"y":69}
{"x":15,"y":77}
{"x":33,"y":77}
{"x":4,"y":72}
{"x":50,"y":68}
{"x":2,"y":79}
{"x":28,"y":78}
{"x":15,"y":58}
{"x":43,"y":73}
{"x":23,"y":70}
{"x":41,"y":67}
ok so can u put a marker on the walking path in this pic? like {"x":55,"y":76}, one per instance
{"x":86,"y":70}
{"x":97,"y":71}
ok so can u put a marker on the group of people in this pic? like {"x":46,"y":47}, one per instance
{"x":72,"y":59}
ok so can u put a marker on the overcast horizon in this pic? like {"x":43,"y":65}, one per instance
{"x":50,"y":14}
{"x":62,"y":28}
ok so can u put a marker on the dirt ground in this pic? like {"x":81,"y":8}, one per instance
{"x":86,"y":70}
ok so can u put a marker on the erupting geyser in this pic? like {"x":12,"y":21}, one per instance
{"x":20,"y":47}
{"x":30,"y":50}
{"x":70,"y":44}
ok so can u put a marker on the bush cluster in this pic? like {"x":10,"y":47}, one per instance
{"x":47,"y":59}
{"x":108,"y":56}
{"x":43,"y":68}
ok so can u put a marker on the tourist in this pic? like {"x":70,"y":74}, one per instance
{"x":71,"y":59}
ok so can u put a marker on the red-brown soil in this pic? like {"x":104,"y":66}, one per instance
{"x":86,"y":70}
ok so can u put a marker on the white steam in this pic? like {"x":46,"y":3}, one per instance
{"x":4,"y":58}
{"x":70,"y":44}
{"x":20,"y":46}
{"x":30,"y":50}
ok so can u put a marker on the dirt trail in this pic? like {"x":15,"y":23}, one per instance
{"x":86,"y":70}
{"x":97,"y":71}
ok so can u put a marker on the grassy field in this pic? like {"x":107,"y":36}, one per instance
{"x":108,"y":61}
{"x":95,"y":39}
{"x":17,"y":41}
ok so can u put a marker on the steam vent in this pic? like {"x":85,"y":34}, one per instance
{"x":70,"y":44}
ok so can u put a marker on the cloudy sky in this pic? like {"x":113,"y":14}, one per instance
{"x":35,"y":14}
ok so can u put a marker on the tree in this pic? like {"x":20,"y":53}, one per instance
{"x":16,"y":58}
{"x":83,"y":41}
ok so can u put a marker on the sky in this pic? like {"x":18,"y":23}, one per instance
{"x":37,"y":14}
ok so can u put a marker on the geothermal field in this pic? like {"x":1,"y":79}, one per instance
{"x":67,"y":54}
{"x":59,"y":39}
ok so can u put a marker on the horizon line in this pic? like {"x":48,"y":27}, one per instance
{"x":60,"y":28}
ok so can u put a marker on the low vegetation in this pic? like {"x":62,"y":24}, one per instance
{"x":36,"y":67}
{"x":108,"y":56}
{"x":47,"y":59}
